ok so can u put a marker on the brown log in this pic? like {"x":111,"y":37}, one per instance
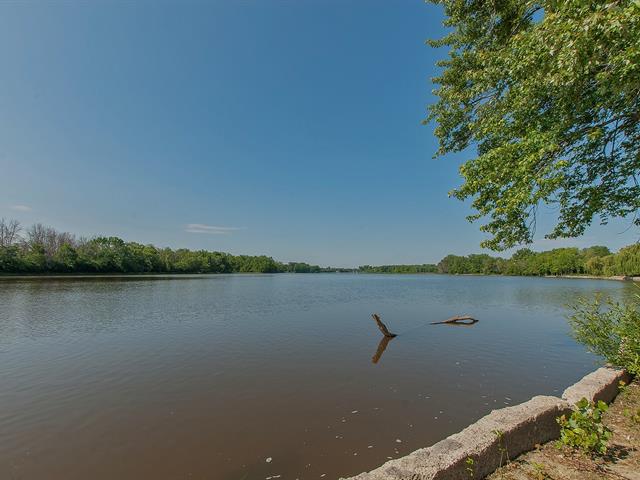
{"x":383,"y":328}
{"x":462,"y":320}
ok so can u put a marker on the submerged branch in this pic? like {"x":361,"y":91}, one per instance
{"x":462,"y":320}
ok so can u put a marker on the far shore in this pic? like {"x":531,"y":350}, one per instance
{"x":22,"y":276}
{"x":18,"y":276}
{"x":619,"y":278}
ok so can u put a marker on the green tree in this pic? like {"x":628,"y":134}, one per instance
{"x":66,"y":258}
{"x":594,"y":266}
{"x":35,"y":259}
{"x":548,"y":93}
{"x":11,"y":260}
{"x":104,"y":255}
{"x":625,"y":262}
{"x":596,"y":251}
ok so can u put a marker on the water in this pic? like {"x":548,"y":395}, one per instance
{"x":212,"y":376}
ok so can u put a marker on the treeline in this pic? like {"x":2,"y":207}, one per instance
{"x":598,"y":261}
{"x":424,"y":268}
{"x":41,"y":249}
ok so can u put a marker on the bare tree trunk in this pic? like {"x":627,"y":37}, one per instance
{"x":9,"y":232}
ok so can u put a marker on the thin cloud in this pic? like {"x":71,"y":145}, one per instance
{"x":21,"y":208}
{"x":210,"y":229}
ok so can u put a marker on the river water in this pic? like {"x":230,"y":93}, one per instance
{"x":236,"y":377}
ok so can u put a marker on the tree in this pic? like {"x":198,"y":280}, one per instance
{"x":35,"y":259}
{"x":11,"y":260}
{"x":9,"y":232}
{"x":104,"y":254}
{"x":548,"y":93}
{"x":596,"y":251}
{"x":66,"y":258}
{"x":49,"y":238}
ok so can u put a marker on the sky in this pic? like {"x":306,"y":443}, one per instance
{"x":286,"y":128}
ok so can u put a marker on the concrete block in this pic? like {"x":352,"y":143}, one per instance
{"x":599,"y":385}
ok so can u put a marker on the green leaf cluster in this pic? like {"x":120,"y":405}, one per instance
{"x":584,"y":429}
{"x":548,"y":95}
{"x":609,"y":329}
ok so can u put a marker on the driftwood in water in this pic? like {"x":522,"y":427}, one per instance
{"x":382,"y":346}
{"x":383,"y":328}
{"x":463,"y":320}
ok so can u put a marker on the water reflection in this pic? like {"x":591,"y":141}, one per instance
{"x":382,"y":346}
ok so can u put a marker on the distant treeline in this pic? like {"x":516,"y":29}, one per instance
{"x":41,"y":249}
{"x":596,"y":260}
{"x":425,"y":268}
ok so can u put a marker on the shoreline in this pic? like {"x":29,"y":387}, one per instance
{"x":617,"y":278}
{"x":562,"y":462}
{"x":500,"y":436}
{"x":18,"y":276}
{"x":54,"y":276}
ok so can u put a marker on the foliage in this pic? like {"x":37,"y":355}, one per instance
{"x":44,"y":250}
{"x":301,"y":267}
{"x":424,"y":268}
{"x":634,"y":416}
{"x":482,"y":263}
{"x":502,"y":448}
{"x":612,"y":332}
{"x":470,"y":462}
{"x":539,"y":471}
{"x":626,"y":261}
{"x":597,"y":260}
{"x":584,"y":429}
{"x":548,"y":93}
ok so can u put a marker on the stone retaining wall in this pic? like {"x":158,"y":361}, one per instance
{"x":503,"y":434}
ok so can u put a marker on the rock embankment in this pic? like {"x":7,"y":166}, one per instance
{"x":621,"y":462}
{"x":504,"y":434}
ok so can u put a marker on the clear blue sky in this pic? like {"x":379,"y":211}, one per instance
{"x":291,"y":126}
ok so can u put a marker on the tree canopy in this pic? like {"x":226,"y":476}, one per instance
{"x":424,"y":268}
{"x":42,"y":249}
{"x":547,"y":93}
{"x":597,"y":261}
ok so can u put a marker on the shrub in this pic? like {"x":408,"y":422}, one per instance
{"x":584,"y":429}
{"x":611,"y":330}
